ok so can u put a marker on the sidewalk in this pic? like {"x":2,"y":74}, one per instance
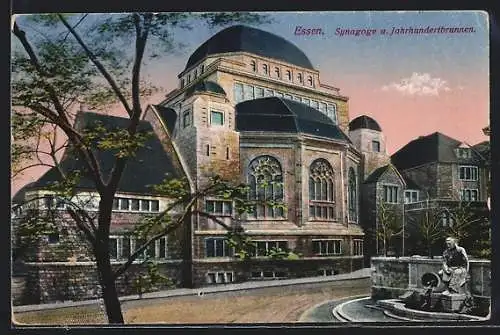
{"x":250,"y":285}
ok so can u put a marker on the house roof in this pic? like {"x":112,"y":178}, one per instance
{"x":149,"y":167}
{"x":364,"y":122}
{"x":252,"y":40}
{"x":435,"y":147}
{"x":168,"y":116}
{"x":206,"y":86}
{"x":275,"y":114}
{"x":376,"y":174}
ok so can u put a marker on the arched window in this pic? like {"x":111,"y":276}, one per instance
{"x":277,"y":72}
{"x":299,"y":77}
{"x":351,"y":191}
{"x":310,"y":80}
{"x":265,"y":179}
{"x":253,"y":65}
{"x":265,"y":69}
{"x":288,"y":75}
{"x":202,"y":69}
{"x":321,"y":191}
{"x":195,"y":74}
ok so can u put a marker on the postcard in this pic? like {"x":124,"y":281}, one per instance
{"x":250,"y":167}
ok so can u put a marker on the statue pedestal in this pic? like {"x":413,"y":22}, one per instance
{"x":452,"y":302}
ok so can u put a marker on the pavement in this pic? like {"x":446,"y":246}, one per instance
{"x":183,"y":292}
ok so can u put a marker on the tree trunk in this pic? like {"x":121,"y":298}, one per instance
{"x":109,"y":293}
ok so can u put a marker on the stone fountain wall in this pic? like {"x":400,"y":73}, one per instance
{"x":392,"y":276}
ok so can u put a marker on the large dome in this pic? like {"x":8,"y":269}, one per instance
{"x":275,"y":114}
{"x":364,"y":122}
{"x":252,"y":40}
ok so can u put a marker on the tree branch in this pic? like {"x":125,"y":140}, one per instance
{"x":98,"y":64}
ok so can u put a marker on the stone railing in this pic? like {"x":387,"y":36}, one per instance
{"x":393,"y":276}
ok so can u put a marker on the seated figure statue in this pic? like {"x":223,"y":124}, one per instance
{"x":455,"y":269}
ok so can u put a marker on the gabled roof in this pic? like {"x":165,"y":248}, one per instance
{"x":252,"y":40}
{"x":275,"y":114}
{"x":435,"y":147}
{"x":364,"y":122}
{"x":376,"y":174}
{"x":168,"y":116}
{"x":150,"y":166}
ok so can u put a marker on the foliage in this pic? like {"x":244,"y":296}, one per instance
{"x":428,"y":229}
{"x":61,"y":61}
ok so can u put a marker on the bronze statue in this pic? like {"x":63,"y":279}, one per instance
{"x":455,"y":268}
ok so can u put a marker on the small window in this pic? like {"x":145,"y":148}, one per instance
{"x":145,"y":205}
{"x":187,"y":118}
{"x":182,"y":83}
{"x":113,"y":248}
{"x":227,"y":152}
{"x":134,"y":204}
{"x":265,"y":69}
{"x":116,"y":202}
{"x":376,"y":146}
{"x":53,"y":238}
{"x":253,"y":66}
{"x":288,"y":75}
{"x":189,"y":78}
{"x":216,"y":118}
{"x":390,"y":194}
{"x":155,"y":205}
{"x":277,"y":72}
{"x":48,"y":201}
{"x":259,"y":92}
{"x":207,"y":149}
{"x":468,"y":173}
{"x":195,"y":74}
{"x":310,"y":80}
{"x":202,"y":69}
{"x":411,"y":196}
{"x":299,"y":78}
{"x":124,"y":204}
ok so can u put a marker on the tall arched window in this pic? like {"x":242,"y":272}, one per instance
{"x":265,"y":179}
{"x":351,"y":191}
{"x":299,"y":77}
{"x":310,"y":80}
{"x":277,"y":72}
{"x":321,"y":190}
{"x":288,"y":75}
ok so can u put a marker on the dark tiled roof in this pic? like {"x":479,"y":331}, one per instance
{"x":252,"y":40}
{"x":168,"y":116}
{"x":206,"y":86}
{"x":376,"y":174}
{"x":435,"y":147}
{"x":484,"y":149}
{"x":282,"y":115}
{"x":149,"y":167}
{"x":364,"y":122}
{"x":19,"y":196}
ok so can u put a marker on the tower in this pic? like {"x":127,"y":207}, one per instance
{"x":367,"y":137}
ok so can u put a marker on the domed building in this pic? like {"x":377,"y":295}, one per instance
{"x":250,"y":105}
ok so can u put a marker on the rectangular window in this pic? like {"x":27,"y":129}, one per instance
{"x":357,"y":249}
{"x":332,"y":112}
{"x":113,"y":248}
{"x":238,"y":93}
{"x":262,"y":248}
{"x":322,"y":107}
{"x":269,"y":93}
{"x":390,"y":194}
{"x":155,"y":205}
{"x":219,"y":277}
{"x":306,"y":101}
{"x":468,"y":172}
{"x":249,"y":92}
{"x":145,"y":205}
{"x":411,"y":196}
{"x":259,"y":92}
{"x":134,"y":204}
{"x":216,"y":118}
{"x":116,"y":202}
{"x":162,"y":247}
{"x":219,"y":207}
{"x":53,"y":238}
{"x":268,"y":274}
{"x":314,"y":104}
{"x":187,"y":118}
{"x":218,"y":247}
{"x":375,"y":146}
{"x":327,"y":247}
{"x":124,"y":204}
{"x":469,"y":194}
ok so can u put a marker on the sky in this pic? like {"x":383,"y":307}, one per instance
{"x":411,"y":84}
